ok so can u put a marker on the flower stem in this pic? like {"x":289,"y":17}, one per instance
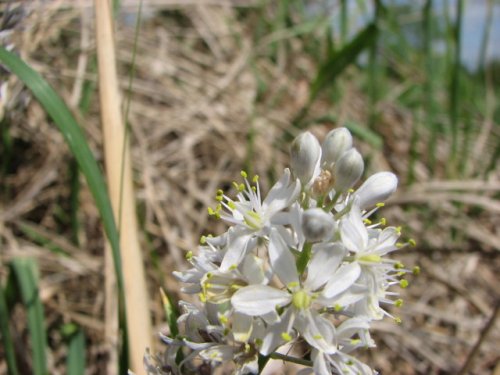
{"x":304,"y":257}
{"x":287,"y":358}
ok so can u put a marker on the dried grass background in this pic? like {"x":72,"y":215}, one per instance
{"x":206,"y":102}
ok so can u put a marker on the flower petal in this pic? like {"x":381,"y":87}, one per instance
{"x":353,"y":232}
{"x":318,"y":331}
{"x":281,"y":259}
{"x":256,"y":300}
{"x":377,"y":188}
{"x":239,"y":245}
{"x":282,"y":194}
{"x":325,"y":261}
{"x":342,"y":280}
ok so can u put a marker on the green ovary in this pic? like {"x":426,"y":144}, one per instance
{"x":301,"y":300}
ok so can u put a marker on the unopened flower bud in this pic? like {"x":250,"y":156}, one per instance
{"x":348,"y":169}
{"x":335,"y":144}
{"x":317,"y":225}
{"x":305,"y":157}
{"x":377,"y":188}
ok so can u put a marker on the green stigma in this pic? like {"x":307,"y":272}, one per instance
{"x":301,"y":300}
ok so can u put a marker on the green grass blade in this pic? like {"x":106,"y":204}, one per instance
{"x":75,"y":361}
{"x":334,"y":65}
{"x":75,"y":138}
{"x":171,"y":313}
{"x":6,"y":337}
{"x":24,"y":272}
{"x":454,"y":92}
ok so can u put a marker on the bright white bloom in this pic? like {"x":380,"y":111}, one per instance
{"x":305,"y":263}
{"x":348,"y":169}
{"x":253,"y":217}
{"x":325,"y":280}
{"x":318,"y":225}
{"x":336,"y":142}
{"x":376,"y":189}
{"x":305,"y":155}
{"x":369,"y":247}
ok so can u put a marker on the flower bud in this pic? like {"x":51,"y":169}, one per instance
{"x":348,"y":169}
{"x":305,"y":157}
{"x":377,"y":188}
{"x":317,"y":225}
{"x":335,"y":144}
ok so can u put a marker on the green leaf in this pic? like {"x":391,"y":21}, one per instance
{"x":171,"y":313}
{"x":75,"y":361}
{"x":74,"y":136}
{"x":335,"y":64}
{"x":24,"y":272}
{"x":5,"y":335}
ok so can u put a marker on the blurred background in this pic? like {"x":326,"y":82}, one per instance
{"x":223,"y":85}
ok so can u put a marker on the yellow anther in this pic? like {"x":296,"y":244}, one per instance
{"x":247,"y":347}
{"x":399,"y":245}
{"x":254,"y":189}
{"x":416,"y":270}
{"x":337,"y":308}
{"x":255,"y":179}
{"x":189,"y":255}
{"x":367,"y":221}
{"x":383,"y":221}
{"x":403,"y":283}
{"x":399,"y":265}
{"x":231,"y":205}
{"x":220,"y":192}
{"x":398,"y":230}
{"x":233,"y":267}
{"x":202,"y":297}
{"x":211,"y":211}
{"x":412,"y":242}
{"x":219,"y":198}
{"x":380,"y":204}
{"x":241,"y":187}
{"x":286,"y":336}
{"x":293,"y":284}
{"x":317,"y":337}
{"x":398,"y":303}
{"x":223,"y":319}
{"x":398,"y":320}
{"x":351,"y":190}
{"x":244,"y":174}
{"x":235,"y":185}
{"x":355,"y":341}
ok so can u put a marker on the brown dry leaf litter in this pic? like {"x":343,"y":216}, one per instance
{"x":198,"y":116}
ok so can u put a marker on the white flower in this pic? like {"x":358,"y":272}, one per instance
{"x":305,"y":160}
{"x":348,"y":169}
{"x":253,"y":217}
{"x":376,"y":189}
{"x":369,"y":247}
{"x":300,"y":301}
{"x":317,"y":225}
{"x":336,"y":142}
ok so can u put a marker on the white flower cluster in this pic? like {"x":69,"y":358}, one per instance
{"x":304,"y":265}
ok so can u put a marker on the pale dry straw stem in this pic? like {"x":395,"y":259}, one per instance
{"x":121,"y":190}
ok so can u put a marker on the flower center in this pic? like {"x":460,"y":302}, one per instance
{"x":301,"y":300}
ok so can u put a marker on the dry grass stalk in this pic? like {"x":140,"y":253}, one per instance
{"x":119,"y":172}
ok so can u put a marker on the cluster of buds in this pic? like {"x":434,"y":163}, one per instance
{"x":304,"y":266}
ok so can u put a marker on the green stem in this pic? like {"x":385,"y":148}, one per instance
{"x":304,"y":257}
{"x":284,"y":357}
